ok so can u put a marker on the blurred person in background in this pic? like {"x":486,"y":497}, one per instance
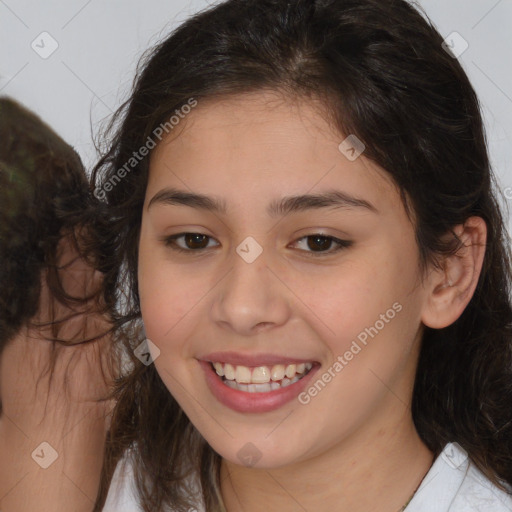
{"x":56,"y":362}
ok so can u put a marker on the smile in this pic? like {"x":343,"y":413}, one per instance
{"x":260,"y":379}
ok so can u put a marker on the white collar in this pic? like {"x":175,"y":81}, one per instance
{"x":454,"y":484}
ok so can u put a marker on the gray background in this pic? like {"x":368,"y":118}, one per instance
{"x":99,"y":42}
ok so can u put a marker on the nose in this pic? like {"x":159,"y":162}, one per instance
{"x":250,"y":299}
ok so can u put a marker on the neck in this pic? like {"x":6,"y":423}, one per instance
{"x":377,"y":467}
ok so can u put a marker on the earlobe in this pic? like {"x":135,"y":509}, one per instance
{"x":450,"y":289}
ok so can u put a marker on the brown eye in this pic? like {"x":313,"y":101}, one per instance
{"x":321,"y":244}
{"x":191,"y":242}
{"x":195,"y":240}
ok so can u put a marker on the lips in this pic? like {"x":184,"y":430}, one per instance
{"x":264,"y":383}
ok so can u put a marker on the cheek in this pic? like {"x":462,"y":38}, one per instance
{"x":165,"y":303}
{"x":367,"y":298}
{"x":158,"y":292}
{"x":348,"y":296}
{"x":171,"y":298}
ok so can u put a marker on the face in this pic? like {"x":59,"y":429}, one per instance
{"x":285,"y":322}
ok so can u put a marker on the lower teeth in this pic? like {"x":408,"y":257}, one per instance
{"x":261,"y":388}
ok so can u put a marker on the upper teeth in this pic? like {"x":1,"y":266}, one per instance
{"x":260,"y":374}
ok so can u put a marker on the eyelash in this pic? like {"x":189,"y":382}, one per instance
{"x":342,"y":244}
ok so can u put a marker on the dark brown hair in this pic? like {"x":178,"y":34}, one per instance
{"x":44,"y":199}
{"x":379,"y":68}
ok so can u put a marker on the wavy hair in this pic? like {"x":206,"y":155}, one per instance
{"x":45,"y":208}
{"x":379,"y":68}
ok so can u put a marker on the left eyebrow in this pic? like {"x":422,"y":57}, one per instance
{"x":281,"y":207}
{"x":329,"y":199}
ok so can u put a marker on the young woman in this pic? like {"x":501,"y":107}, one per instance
{"x":300,"y":210}
{"x":56,"y":364}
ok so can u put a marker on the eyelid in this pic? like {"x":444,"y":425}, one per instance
{"x":341,"y":244}
{"x":169,"y":241}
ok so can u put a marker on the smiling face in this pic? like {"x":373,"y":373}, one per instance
{"x":315,"y":301}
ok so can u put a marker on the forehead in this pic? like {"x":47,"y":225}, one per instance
{"x":265,"y":143}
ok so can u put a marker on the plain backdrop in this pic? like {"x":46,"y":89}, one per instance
{"x":96,"y":45}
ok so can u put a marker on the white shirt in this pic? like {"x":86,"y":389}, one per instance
{"x":453,"y":484}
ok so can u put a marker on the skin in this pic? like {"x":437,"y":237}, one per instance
{"x":353,"y":446}
{"x":63,"y":413}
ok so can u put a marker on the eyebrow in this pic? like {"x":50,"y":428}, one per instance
{"x":281,"y":207}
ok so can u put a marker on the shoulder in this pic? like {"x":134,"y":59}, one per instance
{"x":455,"y":484}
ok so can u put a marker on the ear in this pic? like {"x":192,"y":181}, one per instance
{"x":450,"y":289}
